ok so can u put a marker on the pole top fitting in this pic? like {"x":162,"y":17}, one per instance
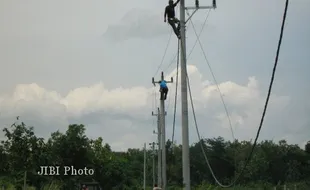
{"x":153,"y":81}
{"x":197,"y":3}
{"x":214,"y":4}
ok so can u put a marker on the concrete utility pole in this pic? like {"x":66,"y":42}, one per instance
{"x":153,"y":157}
{"x":185,"y":136}
{"x":159,"y":176}
{"x":144,"y":168}
{"x":163,"y":134}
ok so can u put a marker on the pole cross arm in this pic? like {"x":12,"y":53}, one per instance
{"x":162,"y":78}
{"x":201,"y":7}
{"x":197,"y":6}
{"x":158,"y":82}
{"x":154,"y":114}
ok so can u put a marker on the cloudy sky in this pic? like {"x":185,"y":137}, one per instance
{"x":91,"y":62}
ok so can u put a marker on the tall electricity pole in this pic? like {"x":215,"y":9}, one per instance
{"x":163,"y":133}
{"x":184,"y":103}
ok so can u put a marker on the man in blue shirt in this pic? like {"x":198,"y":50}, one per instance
{"x":163,"y":90}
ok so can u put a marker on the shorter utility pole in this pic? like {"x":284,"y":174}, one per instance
{"x":153,"y":158}
{"x":144,"y":168}
{"x":25,"y":180}
{"x":163,"y":132}
{"x":159,"y":173}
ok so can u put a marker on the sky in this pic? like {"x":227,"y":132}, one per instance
{"x":92,"y":62}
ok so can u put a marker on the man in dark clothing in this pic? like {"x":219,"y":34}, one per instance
{"x":172,"y":20}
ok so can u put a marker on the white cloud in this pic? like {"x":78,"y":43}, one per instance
{"x":42,"y":45}
{"x":122,"y":116}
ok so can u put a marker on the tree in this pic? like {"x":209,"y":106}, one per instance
{"x":22,"y":151}
{"x":307,"y":147}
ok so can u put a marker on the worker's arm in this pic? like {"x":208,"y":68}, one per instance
{"x":176,"y":3}
{"x":165,"y":15}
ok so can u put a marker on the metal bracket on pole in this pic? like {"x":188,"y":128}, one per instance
{"x":199,"y":7}
{"x":155,"y":114}
{"x":191,"y":15}
{"x":162,"y":78}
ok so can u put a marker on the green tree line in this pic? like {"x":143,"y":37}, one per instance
{"x":22,"y":151}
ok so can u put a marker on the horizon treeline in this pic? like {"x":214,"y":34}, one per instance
{"x":21,"y":152}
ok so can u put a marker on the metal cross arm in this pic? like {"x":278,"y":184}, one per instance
{"x":155,"y":114}
{"x":162,"y":78}
{"x":199,"y":7}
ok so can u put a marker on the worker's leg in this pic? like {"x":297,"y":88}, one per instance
{"x":166,"y":92}
{"x":172,"y":24}
{"x":161,"y":94}
{"x":178,"y":23}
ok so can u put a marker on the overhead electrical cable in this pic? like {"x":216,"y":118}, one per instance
{"x":192,"y":49}
{"x":178,"y":58}
{"x":165,"y":52}
{"x":263,"y":115}
{"x":176,"y":94}
{"x":216,"y":83}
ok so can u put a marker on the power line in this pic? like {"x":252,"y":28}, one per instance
{"x":269,"y":89}
{"x":162,"y":60}
{"x":217,"y":86}
{"x":169,"y":101}
{"x":263,"y":115}
{"x":192,"y":49}
{"x":198,"y":36}
{"x":176,"y":94}
{"x":216,"y":83}
{"x":178,"y":54}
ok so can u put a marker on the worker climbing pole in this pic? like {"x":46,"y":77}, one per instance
{"x":172,"y":20}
